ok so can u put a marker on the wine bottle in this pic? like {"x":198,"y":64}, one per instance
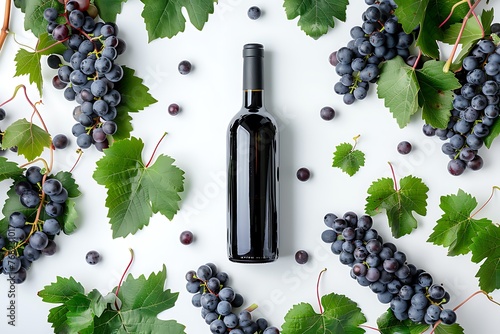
{"x":253,"y":170}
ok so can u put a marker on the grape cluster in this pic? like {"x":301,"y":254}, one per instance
{"x":218,"y":302}
{"x":89,"y":73}
{"x":475,"y":108}
{"x":28,"y":239}
{"x":410,"y":292}
{"x":379,"y":38}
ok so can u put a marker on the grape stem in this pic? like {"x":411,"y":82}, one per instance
{"x":394,"y":177}
{"x":5,"y":27}
{"x":453,"y":9}
{"x":355,"y":141}
{"x":417,"y":60}
{"x":317,"y":291}
{"x":156,"y":148}
{"x":80,"y":153}
{"x":123,"y":276}
{"x":370,"y":327}
{"x":490,"y":298}
{"x":446,"y":67}
{"x":51,"y":45}
{"x":487,"y":201}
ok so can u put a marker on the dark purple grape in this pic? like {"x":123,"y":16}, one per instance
{"x":303,"y":174}
{"x":327,"y":113}
{"x":60,"y":32}
{"x":186,"y":237}
{"x":173,"y":109}
{"x":92,"y":257}
{"x":254,"y":12}
{"x":404,"y":147}
{"x":184,"y":67}
{"x":301,"y":256}
{"x":456,"y":167}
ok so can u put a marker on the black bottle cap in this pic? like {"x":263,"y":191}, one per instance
{"x":253,"y":50}
{"x":253,"y":66}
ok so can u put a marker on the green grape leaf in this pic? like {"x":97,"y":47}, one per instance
{"x":109,"y":9}
{"x":348,"y":159}
{"x":28,"y":62}
{"x":142,"y":300}
{"x":486,"y":246}
{"x":405,"y":90}
{"x":33,"y":18}
{"x":79,"y":317}
{"x":435,"y":95}
{"x":410,"y":13}
{"x":316,"y":16}
{"x":9,"y":169}
{"x":69,"y":217}
{"x":29,"y":138}
{"x":449,"y":329}
{"x":398,"y":203}
{"x":494,"y":132}
{"x":388,"y":324}
{"x":135,"y":97}
{"x":341,"y":316}
{"x":398,"y":86}
{"x":164,"y":18}
{"x":136,"y":191}
{"x":62,"y":290}
{"x":435,"y":13}
{"x":456,"y":228}
{"x":21,"y":4}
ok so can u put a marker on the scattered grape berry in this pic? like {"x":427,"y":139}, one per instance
{"x":93,"y":257}
{"x":254,"y":12}
{"x":186,"y":237}
{"x":173,"y":109}
{"x":184,"y":67}
{"x":60,"y":141}
{"x":303,"y":174}
{"x":404,"y":147}
{"x":301,"y":256}
{"x":327,"y":113}
{"x":2,"y":114}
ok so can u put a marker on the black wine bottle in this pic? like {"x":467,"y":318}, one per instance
{"x":253,"y":170}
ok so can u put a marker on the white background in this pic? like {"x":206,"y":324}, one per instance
{"x":299,"y":82}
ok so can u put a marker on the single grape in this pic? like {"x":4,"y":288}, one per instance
{"x":173,"y":109}
{"x":51,"y":226}
{"x":52,"y":187}
{"x":17,"y":219}
{"x":404,"y":147}
{"x":301,"y":257}
{"x":327,"y":113}
{"x":303,"y":174}
{"x":60,"y":141}
{"x":254,"y":12}
{"x":184,"y":67}
{"x":93,"y":257}
{"x":39,"y":240}
{"x":30,"y":198}
{"x":186,"y":237}
{"x":109,"y":127}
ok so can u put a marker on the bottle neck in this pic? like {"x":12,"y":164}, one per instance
{"x":253,"y":98}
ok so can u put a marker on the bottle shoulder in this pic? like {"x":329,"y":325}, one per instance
{"x":254,"y":115}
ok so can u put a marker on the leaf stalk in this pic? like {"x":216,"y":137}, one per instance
{"x":6,"y":21}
